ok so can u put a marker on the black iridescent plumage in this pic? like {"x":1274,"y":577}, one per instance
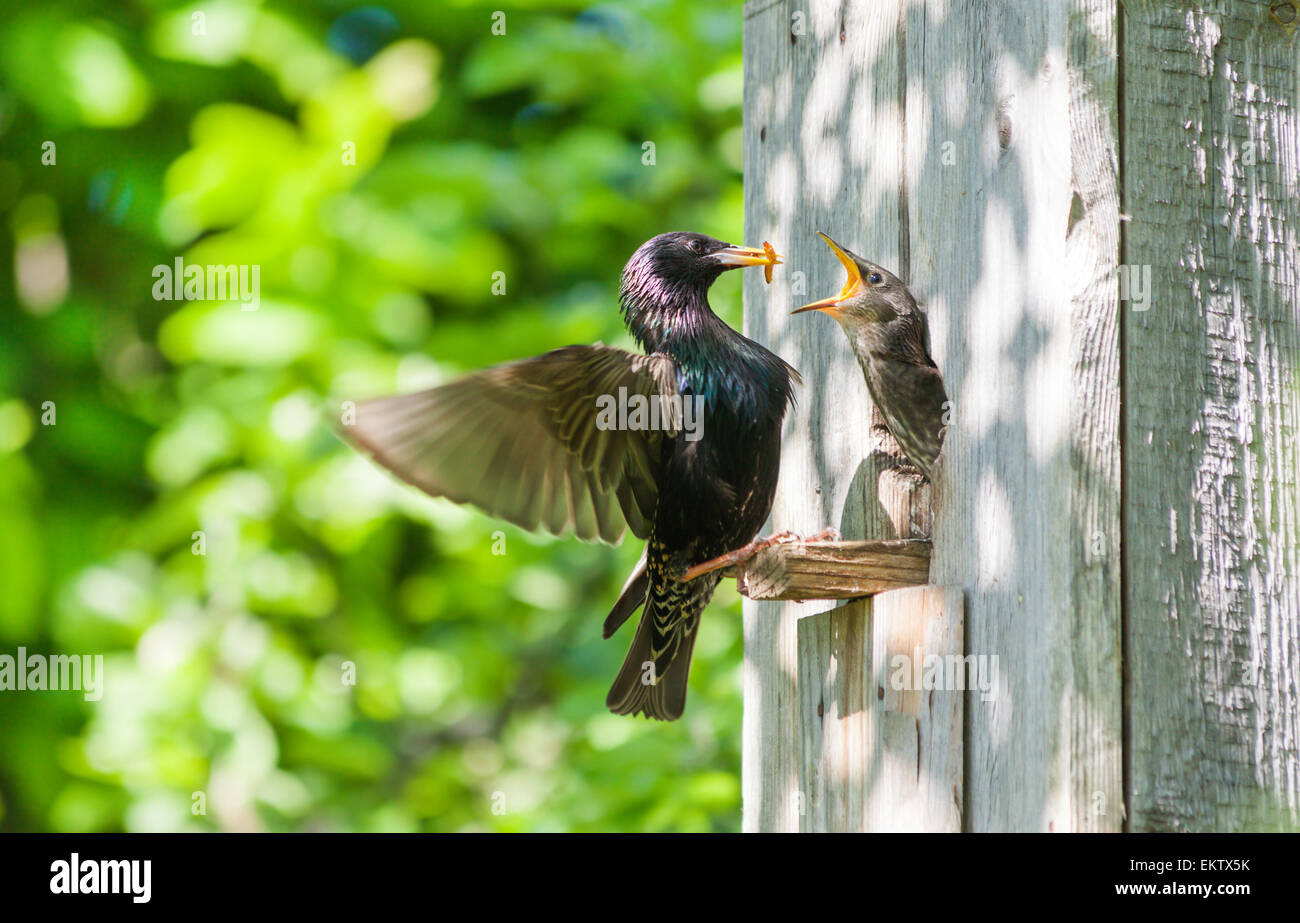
{"x":522,"y":441}
{"x":716,"y":492}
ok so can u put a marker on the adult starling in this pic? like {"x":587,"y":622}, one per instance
{"x":891,"y":338}
{"x":535,"y":443}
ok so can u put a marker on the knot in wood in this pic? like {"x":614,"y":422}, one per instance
{"x":1005,"y":108}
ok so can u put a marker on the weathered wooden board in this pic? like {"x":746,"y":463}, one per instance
{"x":1011,"y":248}
{"x":834,"y":570}
{"x":880,"y":699}
{"x":1212,"y":390}
{"x":1014,"y":244}
{"x":971,"y":148}
{"x":811,"y":101}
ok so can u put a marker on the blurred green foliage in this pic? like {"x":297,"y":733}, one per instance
{"x":221,"y":132}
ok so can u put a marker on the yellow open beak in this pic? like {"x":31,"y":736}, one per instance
{"x":747,"y":256}
{"x":852,"y":285}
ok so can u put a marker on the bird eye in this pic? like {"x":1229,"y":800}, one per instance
{"x":697,"y":246}
{"x":875,"y":278}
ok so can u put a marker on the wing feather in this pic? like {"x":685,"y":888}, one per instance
{"x":520,"y":441}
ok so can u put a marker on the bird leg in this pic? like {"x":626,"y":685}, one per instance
{"x":746,"y":552}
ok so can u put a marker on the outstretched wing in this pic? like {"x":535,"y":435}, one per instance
{"x":521,"y":441}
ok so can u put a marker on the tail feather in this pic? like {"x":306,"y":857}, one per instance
{"x":664,"y":699}
{"x":629,"y":600}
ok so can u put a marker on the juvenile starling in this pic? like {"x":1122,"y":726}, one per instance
{"x":534,"y":442}
{"x":891,"y":338}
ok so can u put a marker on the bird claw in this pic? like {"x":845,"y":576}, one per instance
{"x":746,"y":552}
{"x":829,"y":534}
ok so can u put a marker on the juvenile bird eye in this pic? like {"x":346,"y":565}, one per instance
{"x":875,"y":278}
{"x":697,"y":246}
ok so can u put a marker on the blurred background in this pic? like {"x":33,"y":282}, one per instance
{"x":171,"y":495}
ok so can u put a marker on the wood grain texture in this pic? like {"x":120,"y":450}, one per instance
{"x":1212,"y":513}
{"x":880,"y":750}
{"x":818,"y":78}
{"x":834,"y":570}
{"x":1010,"y":245}
{"x":971,"y":147}
{"x":1094,"y":727}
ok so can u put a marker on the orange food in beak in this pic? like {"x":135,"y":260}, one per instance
{"x":747,"y":256}
{"x":772,"y":260}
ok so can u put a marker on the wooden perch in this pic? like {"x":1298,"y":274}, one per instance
{"x":834,"y":570}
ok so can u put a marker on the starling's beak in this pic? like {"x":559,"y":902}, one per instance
{"x":852,"y":285}
{"x":732,"y":257}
